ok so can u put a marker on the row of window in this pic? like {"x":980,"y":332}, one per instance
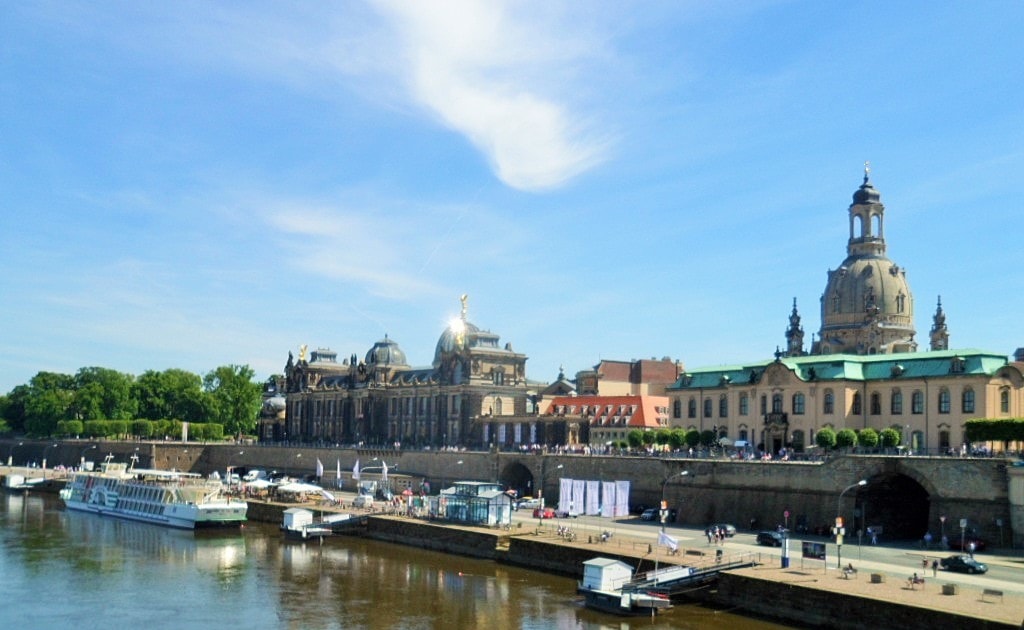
{"x":799,"y":403}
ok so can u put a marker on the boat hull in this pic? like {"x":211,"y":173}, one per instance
{"x":629,"y":604}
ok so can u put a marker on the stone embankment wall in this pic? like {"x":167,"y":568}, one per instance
{"x":830,"y":609}
{"x":988,"y":492}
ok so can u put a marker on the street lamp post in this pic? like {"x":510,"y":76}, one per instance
{"x":10,"y":453}
{"x":839,"y":529}
{"x":663,"y":513}
{"x":45,"y":451}
{"x":81,"y":458}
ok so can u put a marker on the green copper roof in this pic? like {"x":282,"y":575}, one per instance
{"x":850,"y":367}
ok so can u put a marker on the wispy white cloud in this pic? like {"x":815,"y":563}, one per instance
{"x":501,"y":75}
{"x":384,"y":247}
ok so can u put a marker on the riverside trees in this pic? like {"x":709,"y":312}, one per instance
{"x":152,"y":405}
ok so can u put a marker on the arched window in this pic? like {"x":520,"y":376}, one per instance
{"x":1004,"y":400}
{"x":691,"y":408}
{"x":798,"y":404}
{"x":677,"y":408}
{"x":876,"y":404}
{"x":856,"y":408}
{"x":744,"y":405}
{"x":798,"y":440}
{"x":830,"y":402}
{"x":967,"y":400}
{"x":917,"y":403}
{"x":776,"y":403}
{"x":723,"y":406}
{"x":897,"y":402}
{"x":707,"y":407}
{"x":944,"y":400}
{"x":497,"y":406}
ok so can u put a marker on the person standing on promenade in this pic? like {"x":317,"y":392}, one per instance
{"x":935,"y":568}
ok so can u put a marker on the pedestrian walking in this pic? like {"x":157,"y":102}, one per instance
{"x":935,"y":568}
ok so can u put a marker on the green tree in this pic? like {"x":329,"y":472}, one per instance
{"x":142,"y":428}
{"x":693,"y":438}
{"x":890,"y":438}
{"x":237,"y":398}
{"x":97,"y":428}
{"x":13,"y":408}
{"x":104,"y":394}
{"x":662,"y":437}
{"x":708,"y":437}
{"x":48,"y":401}
{"x":677,"y":438}
{"x":867,"y":437}
{"x":648,"y":437}
{"x":74,"y":428}
{"x":635,"y":438}
{"x":826,"y":438}
{"x":172,"y":394}
{"x":846,"y":438}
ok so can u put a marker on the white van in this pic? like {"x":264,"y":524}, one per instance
{"x":363,"y":501}
{"x":254,"y":474}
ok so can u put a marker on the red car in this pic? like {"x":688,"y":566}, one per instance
{"x":544,"y":512}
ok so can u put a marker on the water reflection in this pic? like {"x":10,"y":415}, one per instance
{"x":65,"y":566}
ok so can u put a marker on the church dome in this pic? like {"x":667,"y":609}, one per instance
{"x":453,"y":339}
{"x":866,"y":194}
{"x":867,"y":306}
{"x":385,"y":352}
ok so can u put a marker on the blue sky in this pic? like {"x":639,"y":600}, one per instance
{"x":194,"y":184}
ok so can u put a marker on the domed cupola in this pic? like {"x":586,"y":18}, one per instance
{"x":866,"y":194}
{"x":867,"y":307}
{"x":385,"y":353}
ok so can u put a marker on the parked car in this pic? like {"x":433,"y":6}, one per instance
{"x":528,"y":503}
{"x":963,"y":564}
{"x":654,"y":514}
{"x":363,"y":501}
{"x":544,"y":512}
{"x":769,"y":539}
{"x":730,"y":530}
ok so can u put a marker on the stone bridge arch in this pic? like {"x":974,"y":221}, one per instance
{"x":894,"y":504}
{"x":517,"y":476}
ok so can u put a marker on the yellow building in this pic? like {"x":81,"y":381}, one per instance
{"x":863,"y":370}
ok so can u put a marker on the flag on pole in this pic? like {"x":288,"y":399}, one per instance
{"x":319,"y":468}
{"x":384,"y":472}
{"x":355,"y":471}
{"x":668,"y":541}
{"x":337,"y":474}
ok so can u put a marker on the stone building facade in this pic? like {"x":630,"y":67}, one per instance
{"x":474,"y":393}
{"x":862,"y":371}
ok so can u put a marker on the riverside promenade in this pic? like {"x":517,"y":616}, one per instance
{"x":806,"y":593}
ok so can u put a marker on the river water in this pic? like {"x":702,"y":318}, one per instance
{"x":62,"y":569}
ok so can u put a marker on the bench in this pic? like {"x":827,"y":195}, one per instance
{"x":991,"y":592}
{"x":913,"y":582}
{"x":849,"y":572}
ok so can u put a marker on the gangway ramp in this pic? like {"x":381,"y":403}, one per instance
{"x":677,"y":580}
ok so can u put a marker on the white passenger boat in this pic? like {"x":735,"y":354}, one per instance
{"x":171,"y":498}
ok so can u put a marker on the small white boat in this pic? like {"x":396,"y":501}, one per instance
{"x":170,"y":498}
{"x":605,"y":588}
{"x":18,"y":483}
{"x":301,"y":524}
